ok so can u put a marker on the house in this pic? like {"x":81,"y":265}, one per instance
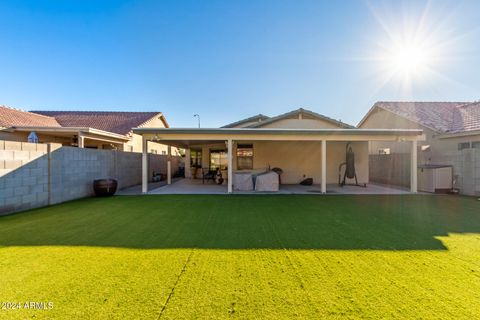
{"x":84,"y":129}
{"x":452,"y":133}
{"x":302,"y":143}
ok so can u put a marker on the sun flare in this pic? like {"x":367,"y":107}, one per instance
{"x":408,"y":60}
{"x":412,"y":48}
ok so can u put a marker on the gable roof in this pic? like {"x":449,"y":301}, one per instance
{"x":10,"y":117}
{"x":258,"y":118}
{"x":439,"y":116}
{"x":116,"y":122}
{"x":295,"y":113}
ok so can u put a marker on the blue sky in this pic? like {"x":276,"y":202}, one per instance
{"x":226,"y":60}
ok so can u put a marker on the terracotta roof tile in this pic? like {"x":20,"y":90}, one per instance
{"x":117,"y":122}
{"x":440,"y":116}
{"x":466,"y":118}
{"x":10,"y":117}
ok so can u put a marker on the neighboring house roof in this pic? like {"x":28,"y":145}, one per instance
{"x":440,"y":116}
{"x":295,"y":113}
{"x":257,"y":118}
{"x":10,"y":117}
{"x":466,"y":118}
{"x":116,"y":122}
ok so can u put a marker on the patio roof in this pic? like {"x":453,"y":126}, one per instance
{"x":89,"y":133}
{"x":183,"y":137}
{"x":278,"y":131}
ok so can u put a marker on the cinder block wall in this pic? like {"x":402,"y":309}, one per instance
{"x":35,"y":175}
{"x":73,"y":171}
{"x":466,"y":170}
{"x":23,"y":176}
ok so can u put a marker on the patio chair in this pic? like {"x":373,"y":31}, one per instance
{"x":208,"y":174}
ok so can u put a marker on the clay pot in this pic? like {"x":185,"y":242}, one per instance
{"x":105,"y":187}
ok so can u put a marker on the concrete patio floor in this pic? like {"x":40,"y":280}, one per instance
{"x":192,"y":186}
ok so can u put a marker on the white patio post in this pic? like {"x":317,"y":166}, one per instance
{"x":230,"y":166}
{"x":188,"y":171}
{"x":413,"y":167}
{"x":144,"y":165}
{"x":169,"y":166}
{"x":324,"y":166}
{"x":81,"y":140}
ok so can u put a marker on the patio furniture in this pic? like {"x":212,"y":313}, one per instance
{"x":157,"y":176}
{"x":105,"y":187}
{"x":279,"y":171}
{"x":267,"y":182}
{"x":242,"y":181}
{"x":208,"y":174}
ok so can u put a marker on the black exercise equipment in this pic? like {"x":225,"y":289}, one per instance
{"x":307,"y":182}
{"x":349,"y":164}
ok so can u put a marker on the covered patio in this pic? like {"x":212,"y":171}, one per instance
{"x":195,"y":186}
{"x":317,"y":154}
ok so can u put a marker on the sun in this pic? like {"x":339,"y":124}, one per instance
{"x":411,"y":49}
{"x":408,"y":60}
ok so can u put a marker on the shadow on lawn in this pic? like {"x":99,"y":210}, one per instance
{"x":247,"y":222}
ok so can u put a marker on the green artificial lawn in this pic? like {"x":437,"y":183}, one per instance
{"x":248,"y":257}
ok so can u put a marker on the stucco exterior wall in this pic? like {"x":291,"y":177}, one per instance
{"x":135,"y":144}
{"x":299,"y":159}
{"x":295,"y":123}
{"x":382,"y":119}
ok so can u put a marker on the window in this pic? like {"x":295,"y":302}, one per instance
{"x":218,"y":159}
{"x":384,"y":151}
{"x":463,"y":145}
{"x":245,"y":157}
{"x":164,"y":152}
{"x":476,"y":144}
{"x":195,"y":159}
